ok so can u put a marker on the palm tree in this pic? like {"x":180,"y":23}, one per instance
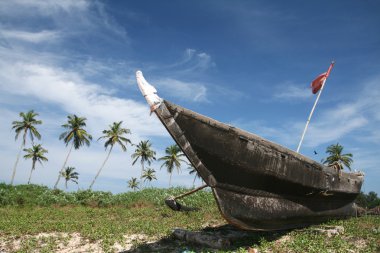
{"x":172,"y":160}
{"x":75,"y":134}
{"x":70,"y":175}
{"x":193,"y":171}
{"x":36,"y":153}
{"x":133,"y":183}
{"x":144,"y":153}
{"x":337,"y":158}
{"x":149,"y":175}
{"x":113,"y":135}
{"x":27,"y":124}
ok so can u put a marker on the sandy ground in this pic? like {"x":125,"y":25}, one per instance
{"x":67,"y":243}
{"x":74,"y":242}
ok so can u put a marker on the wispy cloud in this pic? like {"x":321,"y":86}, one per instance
{"x":192,"y":62}
{"x":68,"y":19}
{"x":73,"y":94}
{"x":187,"y":78}
{"x":41,"y":7}
{"x":356,"y":119}
{"x":183,"y":78}
{"x":332,"y":129}
{"x":46,"y":83}
{"x":33,"y":37}
{"x":288,"y":91}
{"x":190,"y":91}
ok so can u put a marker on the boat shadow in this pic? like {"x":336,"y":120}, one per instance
{"x":234,"y":237}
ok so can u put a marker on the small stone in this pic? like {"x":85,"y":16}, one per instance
{"x":330,"y":230}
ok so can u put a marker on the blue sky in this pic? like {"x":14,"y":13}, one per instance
{"x":246,"y":63}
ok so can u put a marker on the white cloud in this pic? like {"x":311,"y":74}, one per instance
{"x":361,"y":113}
{"x":33,"y":37}
{"x":55,"y":92}
{"x":68,"y":19}
{"x":74,"y":95}
{"x":190,"y":91}
{"x":369,"y":100}
{"x":184,"y":79}
{"x":119,"y":73}
{"x":354,"y":123}
{"x":193,"y":59}
{"x":56,"y":82}
{"x":192,"y":62}
{"x":40,"y":7}
{"x":357,"y":118}
{"x":42,"y":81}
{"x":289,"y":91}
{"x":204,"y":61}
{"x":328,"y":131}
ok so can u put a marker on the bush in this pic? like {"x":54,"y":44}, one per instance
{"x":36,"y":195}
{"x":368,"y":201}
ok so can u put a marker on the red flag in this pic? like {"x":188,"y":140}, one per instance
{"x":316,"y":85}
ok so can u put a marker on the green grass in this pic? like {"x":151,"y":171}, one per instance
{"x":359,"y":236}
{"x":106,"y":224}
{"x":35,"y":195}
{"x":104,"y":218}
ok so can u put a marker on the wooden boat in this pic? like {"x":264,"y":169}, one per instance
{"x":257,"y":184}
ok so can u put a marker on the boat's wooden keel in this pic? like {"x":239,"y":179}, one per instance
{"x":272,"y":213}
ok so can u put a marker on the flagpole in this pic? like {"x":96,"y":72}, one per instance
{"x":312,"y":110}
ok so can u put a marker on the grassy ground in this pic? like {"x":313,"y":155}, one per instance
{"x":34,"y":218}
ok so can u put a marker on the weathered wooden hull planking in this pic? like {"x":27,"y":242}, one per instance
{"x":257,"y":184}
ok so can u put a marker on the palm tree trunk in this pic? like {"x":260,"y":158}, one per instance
{"x":142,"y":169}
{"x":141,"y":176}
{"x":18,"y":157}
{"x":170,"y":179}
{"x":63,"y":167}
{"x":97,"y":174}
{"x":194,"y":179}
{"x":66,"y":184}
{"x":33,"y":166}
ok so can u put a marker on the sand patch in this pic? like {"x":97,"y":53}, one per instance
{"x":67,"y":243}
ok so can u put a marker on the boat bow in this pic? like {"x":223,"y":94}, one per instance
{"x":148,"y":91}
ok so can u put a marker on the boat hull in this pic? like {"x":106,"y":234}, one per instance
{"x":275,"y":213}
{"x":259,"y":185}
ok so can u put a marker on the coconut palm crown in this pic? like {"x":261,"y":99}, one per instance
{"x":76,"y":134}
{"x":336,"y":156}
{"x":133,"y":183}
{"x":113,"y":135}
{"x":173,"y":159}
{"x":70,"y":175}
{"x":149,"y":175}
{"x":27,"y":124}
{"x":36,"y":153}
{"x":144,"y":153}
